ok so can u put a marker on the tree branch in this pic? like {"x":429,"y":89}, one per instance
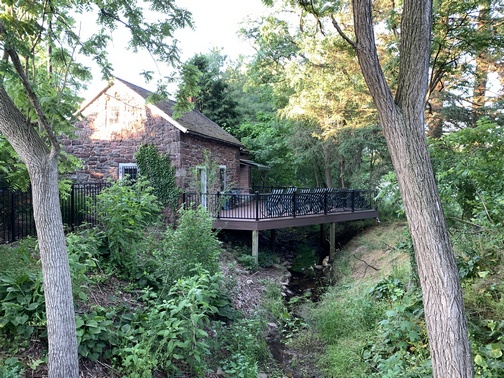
{"x":371,"y":266}
{"x":42,"y":120}
{"x":342,"y":34}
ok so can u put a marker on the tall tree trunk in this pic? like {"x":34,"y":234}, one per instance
{"x":402,"y":121}
{"x":43,"y":170}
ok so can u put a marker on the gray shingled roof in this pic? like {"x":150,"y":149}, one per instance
{"x":194,"y":121}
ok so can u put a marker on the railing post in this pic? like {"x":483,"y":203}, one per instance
{"x":13,"y":217}
{"x":256,"y":205}
{"x":72,"y":207}
{"x":353,"y":201}
{"x":219,"y":204}
{"x":294,"y":204}
{"x":184,"y":201}
{"x":325,"y":202}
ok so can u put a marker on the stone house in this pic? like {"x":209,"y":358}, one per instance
{"x":118,"y":120}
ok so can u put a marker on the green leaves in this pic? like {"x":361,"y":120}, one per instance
{"x":160,"y":173}
{"x":126,"y":210}
{"x":193,"y":245}
{"x":469,"y":171}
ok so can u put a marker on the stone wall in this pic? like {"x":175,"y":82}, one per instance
{"x":117,"y":124}
{"x":193,"y":147}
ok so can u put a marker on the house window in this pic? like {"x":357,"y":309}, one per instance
{"x":128,"y":171}
{"x":114,"y":114}
{"x":222,"y":178}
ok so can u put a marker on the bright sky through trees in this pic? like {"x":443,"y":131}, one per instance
{"x":216,"y":25}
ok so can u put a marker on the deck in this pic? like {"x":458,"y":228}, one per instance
{"x":286,"y":208}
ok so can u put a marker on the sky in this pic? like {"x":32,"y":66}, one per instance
{"x":216,"y":25}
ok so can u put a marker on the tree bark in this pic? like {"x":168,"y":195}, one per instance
{"x":42,"y":167}
{"x":402,"y":121}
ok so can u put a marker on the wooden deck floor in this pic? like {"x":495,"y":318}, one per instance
{"x":253,"y":216}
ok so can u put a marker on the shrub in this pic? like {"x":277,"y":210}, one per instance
{"x":191,"y":245}
{"x":11,"y":368}
{"x":82,"y":257}
{"x":174,"y":335}
{"x":22,"y":308}
{"x":400,"y":347}
{"x":126,"y":211}
{"x":93,"y":333}
{"x":239,"y":347}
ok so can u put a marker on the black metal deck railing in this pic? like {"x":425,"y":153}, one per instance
{"x":79,"y":206}
{"x":281,"y":203}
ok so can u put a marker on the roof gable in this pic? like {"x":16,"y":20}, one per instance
{"x":192,"y":122}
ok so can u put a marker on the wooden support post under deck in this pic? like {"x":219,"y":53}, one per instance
{"x":332,"y":240}
{"x":255,"y":245}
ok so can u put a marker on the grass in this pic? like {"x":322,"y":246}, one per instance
{"x":346,"y":318}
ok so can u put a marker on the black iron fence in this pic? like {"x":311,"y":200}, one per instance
{"x":289,"y":202}
{"x":79,"y":205}
{"x":16,"y":211}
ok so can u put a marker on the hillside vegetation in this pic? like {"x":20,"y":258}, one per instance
{"x":370,"y":321}
{"x":157,"y":301}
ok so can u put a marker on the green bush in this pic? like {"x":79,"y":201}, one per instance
{"x":400,"y":347}
{"x":126,"y":211}
{"x":94,"y":333}
{"x":174,"y":336}
{"x":82,"y":257}
{"x":18,"y":258}
{"x":22,"y":309}
{"x":192,"y":244}
{"x":11,"y":368}
{"x":390,"y":289}
{"x":239,"y":347}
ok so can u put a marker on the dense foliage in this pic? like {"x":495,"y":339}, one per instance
{"x":179,"y":296}
{"x":158,"y":170}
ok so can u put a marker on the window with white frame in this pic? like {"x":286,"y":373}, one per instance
{"x":128,"y":171}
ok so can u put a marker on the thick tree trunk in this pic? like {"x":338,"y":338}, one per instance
{"x":43,"y":170}
{"x":402,"y":121}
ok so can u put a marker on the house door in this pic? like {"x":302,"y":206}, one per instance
{"x":202,"y":173}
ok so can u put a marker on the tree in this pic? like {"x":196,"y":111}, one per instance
{"x":401,"y":117}
{"x":402,"y":120}
{"x":202,"y":86}
{"x":38,"y":73}
{"x":317,"y":82}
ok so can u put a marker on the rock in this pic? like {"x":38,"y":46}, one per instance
{"x":262,"y":375}
{"x":288,"y":374}
{"x":220,"y":373}
{"x":319,"y":267}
